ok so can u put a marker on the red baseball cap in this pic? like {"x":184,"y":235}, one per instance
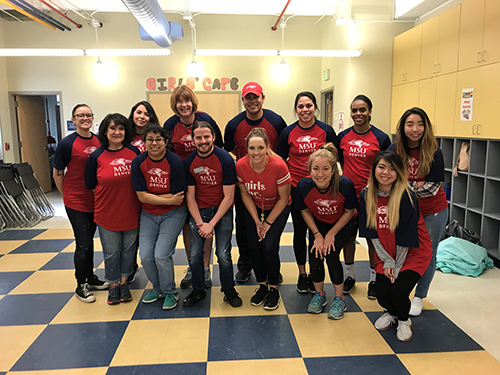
{"x":251,"y":88}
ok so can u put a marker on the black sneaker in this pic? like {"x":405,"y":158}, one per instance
{"x":273,"y":299}
{"x":310,"y":284}
{"x":349,"y":284}
{"x":125,"y":295}
{"x":114,"y":295}
{"x":83,"y":294}
{"x":259,"y":296}
{"x":242,"y":276}
{"x":231,"y":296}
{"x":303,"y":284}
{"x":95,"y":284}
{"x":371,"y":294}
{"x":280,"y":278}
{"x":194,"y":297}
{"x":131,"y":277}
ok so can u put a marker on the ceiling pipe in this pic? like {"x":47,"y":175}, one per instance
{"x":78,"y":26}
{"x":37,"y":13}
{"x":152,"y":22}
{"x":281,"y":15}
{"x":29,"y":15}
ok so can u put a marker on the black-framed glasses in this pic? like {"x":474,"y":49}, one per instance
{"x":157,"y":140}
{"x":83,"y":115}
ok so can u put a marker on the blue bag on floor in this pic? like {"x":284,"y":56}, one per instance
{"x":456,"y":255}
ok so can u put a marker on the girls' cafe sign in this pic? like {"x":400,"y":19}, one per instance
{"x":208,"y":84}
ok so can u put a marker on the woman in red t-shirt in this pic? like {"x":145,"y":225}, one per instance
{"x":389,"y":216}
{"x":141,"y":114}
{"x":264,"y":182}
{"x":416,"y":144}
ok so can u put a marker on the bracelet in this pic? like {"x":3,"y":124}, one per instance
{"x":315,"y":233}
{"x":267,"y":222}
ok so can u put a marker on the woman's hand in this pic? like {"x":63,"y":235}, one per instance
{"x":389,"y":273}
{"x":205,"y":230}
{"x":318,"y":246}
{"x":329,"y":244}
{"x":177,"y":199}
{"x":264,"y":227}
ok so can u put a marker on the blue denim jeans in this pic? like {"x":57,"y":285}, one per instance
{"x":157,"y":238}
{"x":223,"y":232}
{"x":118,"y":248}
{"x":436,"y":225}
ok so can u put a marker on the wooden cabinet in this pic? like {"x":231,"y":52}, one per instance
{"x":467,"y":79}
{"x":403,"y":97}
{"x":487,"y":123}
{"x":406,"y":63}
{"x":440,"y":44}
{"x":479,"y":33}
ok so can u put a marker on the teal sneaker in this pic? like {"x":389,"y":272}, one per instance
{"x":317,"y":303}
{"x":170,"y":301}
{"x":151,"y":297}
{"x":337,"y":309}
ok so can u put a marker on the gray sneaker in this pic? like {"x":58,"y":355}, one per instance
{"x":337,"y":309}
{"x":208,"y":278}
{"x":186,"y":281}
{"x":317,"y":303}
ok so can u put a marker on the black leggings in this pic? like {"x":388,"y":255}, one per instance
{"x":83,"y":230}
{"x":265,"y":254}
{"x":395,"y":297}
{"x":300,"y":230}
{"x":244,"y":263}
{"x":332,"y":259}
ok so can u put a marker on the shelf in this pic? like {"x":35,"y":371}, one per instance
{"x":457,"y":213}
{"x":475,"y":193}
{"x":461,"y":205}
{"x":459,"y":189}
{"x":477,"y":157}
{"x":490,"y":237}
{"x":493,"y":171}
{"x":447,"y":148}
{"x":473,"y":221}
{"x":492,"y":197}
{"x":493,"y":178}
{"x":494,"y":216}
{"x":480,"y":175}
{"x":448,"y":169}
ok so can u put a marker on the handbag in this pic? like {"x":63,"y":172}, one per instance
{"x":462,"y":163}
{"x":454,"y":229}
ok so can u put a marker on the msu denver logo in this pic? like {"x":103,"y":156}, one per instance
{"x":358,"y":148}
{"x":322,"y":202}
{"x":157,"y":177}
{"x":307,"y":144}
{"x":307,"y":138}
{"x":359,"y":143}
{"x":157,"y":172}
{"x":186,"y":138}
{"x":121,"y":166}
{"x":89,"y":150}
{"x":325,"y":206}
{"x":382,"y":210}
{"x":119,"y":162}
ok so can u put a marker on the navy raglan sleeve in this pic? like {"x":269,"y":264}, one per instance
{"x":436,"y":174}
{"x":228,"y":170}
{"x":138,"y":180}
{"x":349,"y":193}
{"x":178,"y":170}
{"x":91,"y":170}
{"x":364,"y":231}
{"x":63,"y":153}
{"x":283,"y":146}
{"x":229,"y":144}
{"x":407,"y":230}
{"x":187,"y":169}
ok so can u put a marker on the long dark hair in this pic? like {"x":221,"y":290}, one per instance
{"x":151,"y":112}
{"x":118,"y":119}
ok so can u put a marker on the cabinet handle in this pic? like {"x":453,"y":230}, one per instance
{"x":473,"y":126}
{"x":477,"y":129}
{"x":402,"y":77}
{"x":479,"y":57}
{"x":438,"y":68}
{"x":434,"y":69}
{"x":484,"y":55}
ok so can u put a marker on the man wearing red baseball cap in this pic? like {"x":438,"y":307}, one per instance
{"x":235,"y":136}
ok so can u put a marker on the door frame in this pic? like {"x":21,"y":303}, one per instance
{"x":13,"y":117}
{"x":323,"y":104}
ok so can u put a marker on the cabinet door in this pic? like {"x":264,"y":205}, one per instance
{"x":444,"y":115}
{"x":427,"y":97}
{"x":491,"y":42}
{"x":467,"y":79}
{"x":413,"y":41}
{"x":488,"y":102}
{"x":449,"y":29}
{"x":429,"y":56}
{"x":471,"y":34}
{"x":403,"y":97}
{"x":398,"y":68}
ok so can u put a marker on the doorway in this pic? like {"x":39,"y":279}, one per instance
{"x":327,"y":105}
{"x":37,"y":131}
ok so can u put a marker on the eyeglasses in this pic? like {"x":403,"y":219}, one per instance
{"x":157,"y":140}
{"x":83,"y":115}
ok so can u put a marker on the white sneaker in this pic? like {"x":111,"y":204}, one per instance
{"x":404,"y":332}
{"x":417,"y":304}
{"x":385,"y":321}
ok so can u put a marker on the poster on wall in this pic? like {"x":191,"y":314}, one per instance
{"x":341,"y":121}
{"x":467,"y":105}
{"x":70,"y":125}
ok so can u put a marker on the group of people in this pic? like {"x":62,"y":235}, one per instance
{"x":142,"y":184}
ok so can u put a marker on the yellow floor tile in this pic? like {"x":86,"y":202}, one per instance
{"x":24,"y":262}
{"x":1,"y":296}
{"x":15,"y":340}
{"x":427,"y":304}
{"x":75,"y":311}
{"x":288,"y":366}
{"x":180,"y":243}
{"x":53,"y":281}
{"x":56,"y":234}
{"x":319,"y":336}
{"x":71,"y":247}
{"x":235,"y":254}
{"x":286,"y":239}
{"x":163,"y":341}
{"x":7,"y":246}
{"x":456,"y":363}
{"x":72,"y":371}
{"x":359,"y":295}
{"x":179,"y":274}
{"x":220,"y":308}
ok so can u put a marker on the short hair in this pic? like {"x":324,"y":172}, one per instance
{"x":78,"y":106}
{"x":185,"y":92}
{"x":201,"y":124}
{"x":118,"y":119}
{"x":156,"y":128}
{"x":151,"y":112}
{"x":365,"y":99}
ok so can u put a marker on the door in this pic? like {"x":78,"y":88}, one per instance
{"x":32,"y":131}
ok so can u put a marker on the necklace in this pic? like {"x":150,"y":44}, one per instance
{"x":262,"y":218}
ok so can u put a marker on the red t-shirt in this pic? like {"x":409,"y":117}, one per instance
{"x":418,"y":258}
{"x":138,"y":142}
{"x":72,"y":153}
{"x":263,"y":186}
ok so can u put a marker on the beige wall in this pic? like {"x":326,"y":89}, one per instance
{"x":5,"y":135}
{"x":73,"y":76}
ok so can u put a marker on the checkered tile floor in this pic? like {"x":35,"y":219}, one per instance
{"x":44,"y":329}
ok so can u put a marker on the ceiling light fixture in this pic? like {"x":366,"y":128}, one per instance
{"x":273,"y":52}
{"x":28,"y":52}
{"x":128,"y":52}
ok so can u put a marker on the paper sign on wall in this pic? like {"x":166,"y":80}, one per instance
{"x":71,"y":125}
{"x":467,"y":105}
{"x":341,"y":121}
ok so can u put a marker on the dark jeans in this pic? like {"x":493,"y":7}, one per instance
{"x":244,"y":263}
{"x":83,"y":230}
{"x":395,"y":297}
{"x":332,"y":260}
{"x":265,"y":254}
{"x":300,"y":230}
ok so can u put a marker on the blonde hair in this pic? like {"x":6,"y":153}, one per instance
{"x":399,"y":187}
{"x":186,"y":93}
{"x":260,"y":133}
{"x":428,"y":143}
{"x":330,"y":153}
